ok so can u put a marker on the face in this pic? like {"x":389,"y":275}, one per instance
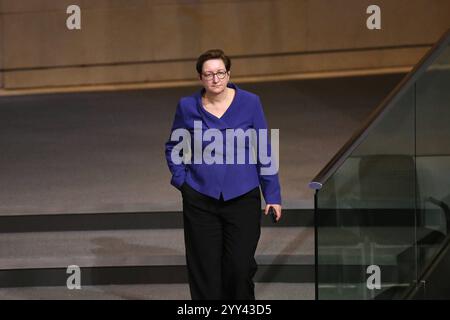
{"x":215,"y":85}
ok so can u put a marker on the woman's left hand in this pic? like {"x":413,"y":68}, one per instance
{"x":277,"y":208}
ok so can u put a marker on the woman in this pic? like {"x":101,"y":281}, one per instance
{"x":221,"y":200}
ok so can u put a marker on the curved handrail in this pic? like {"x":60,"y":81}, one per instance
{"x":379,"y":112}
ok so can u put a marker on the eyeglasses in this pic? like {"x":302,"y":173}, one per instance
{"x":210,"y":75}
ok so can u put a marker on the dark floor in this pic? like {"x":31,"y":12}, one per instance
{"x":104,"y":152}
{"x":263,"y":291}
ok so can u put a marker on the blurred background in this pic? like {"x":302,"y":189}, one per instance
{"x":84,"y":115}
{"x":104,"y":151}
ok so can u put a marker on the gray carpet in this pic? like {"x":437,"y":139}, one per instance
{"x":288,"y":245}
{"x":263,"y":291}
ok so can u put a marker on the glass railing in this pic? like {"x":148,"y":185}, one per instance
{"x":382,"y":203}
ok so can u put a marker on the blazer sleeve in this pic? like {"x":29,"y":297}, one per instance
{"x":270,"y":184}
{"x":178,"y":170}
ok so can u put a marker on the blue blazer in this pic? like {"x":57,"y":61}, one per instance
{"x":232,"y":180}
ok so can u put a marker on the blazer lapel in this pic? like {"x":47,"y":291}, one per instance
{"x":209,"y":119}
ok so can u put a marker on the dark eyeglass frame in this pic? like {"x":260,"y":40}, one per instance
{"x":220,"y":75}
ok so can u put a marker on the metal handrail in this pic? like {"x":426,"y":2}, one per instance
{"x":408,"y":81}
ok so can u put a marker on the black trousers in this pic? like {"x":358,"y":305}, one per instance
{"x":221,"y":239}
